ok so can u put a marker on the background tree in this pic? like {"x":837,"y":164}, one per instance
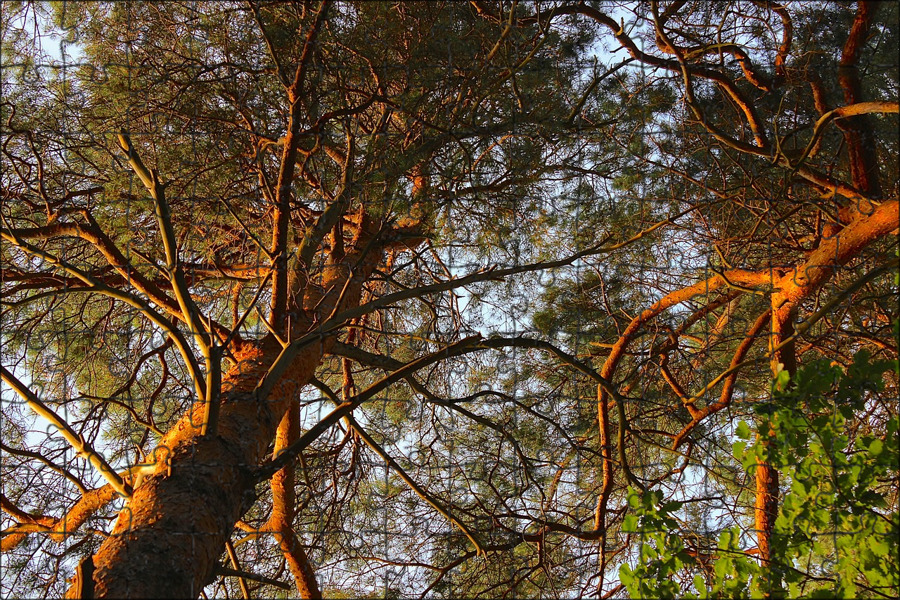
{"x":760,"y":231}
{"x":400,"y":299}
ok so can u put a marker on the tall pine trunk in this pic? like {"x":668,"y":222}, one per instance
{"x":168,"y":539}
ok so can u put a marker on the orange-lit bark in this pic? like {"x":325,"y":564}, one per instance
{"x":794,"y":287}
{"x":281,"y":217}
{"x":60,"y":528}
{"x":789,"y":289}
{"x":281,"y":521}
{"x":732,"y":277}
{"x":167,"y":540}
{"x":766,"y":507}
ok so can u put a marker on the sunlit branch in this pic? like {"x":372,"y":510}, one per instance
{"x":94,"y":234}
{"x":232,"y":556}
{"x":59,"y":529}
{"x":851,"y":110}
{"x":81,"y":446}
{"x":155,"y":187}
{"x":279,"y":250}
{"x":801,"y":329}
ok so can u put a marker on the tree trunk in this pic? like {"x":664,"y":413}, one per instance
{"x":283,"y":501}
{"x":766,"y":475}
{"x":858,"y":129}
{"x":793,"y":287}
{"x":169,"y":537}
{"x":766,"y":507}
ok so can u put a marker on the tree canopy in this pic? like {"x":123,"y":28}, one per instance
{"x":449,"y":299}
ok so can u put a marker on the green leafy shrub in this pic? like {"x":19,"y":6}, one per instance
{"x":836,"y":535}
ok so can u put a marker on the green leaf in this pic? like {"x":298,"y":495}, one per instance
{"x":630,"y":524}
{"x":782,"y":378}
{"x":700,"y":586}
{"x":876,"y":447}
{"x":669,"y":507}
{"x":879,"y":545}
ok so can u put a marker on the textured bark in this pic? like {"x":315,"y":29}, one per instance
{"x":766,"y":508}
{"x":167,"y":540}
{"x":83,"y":582}
{"x":832,"y":253}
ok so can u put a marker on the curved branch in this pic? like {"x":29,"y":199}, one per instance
{"x":725,"y":397}
{"x":393,"y":464}
{"x":843,"y":112}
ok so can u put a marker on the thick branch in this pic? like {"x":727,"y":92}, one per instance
{"x":283,"y":501}
{"x":58,"y":529}
{"x":858,"y":130}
